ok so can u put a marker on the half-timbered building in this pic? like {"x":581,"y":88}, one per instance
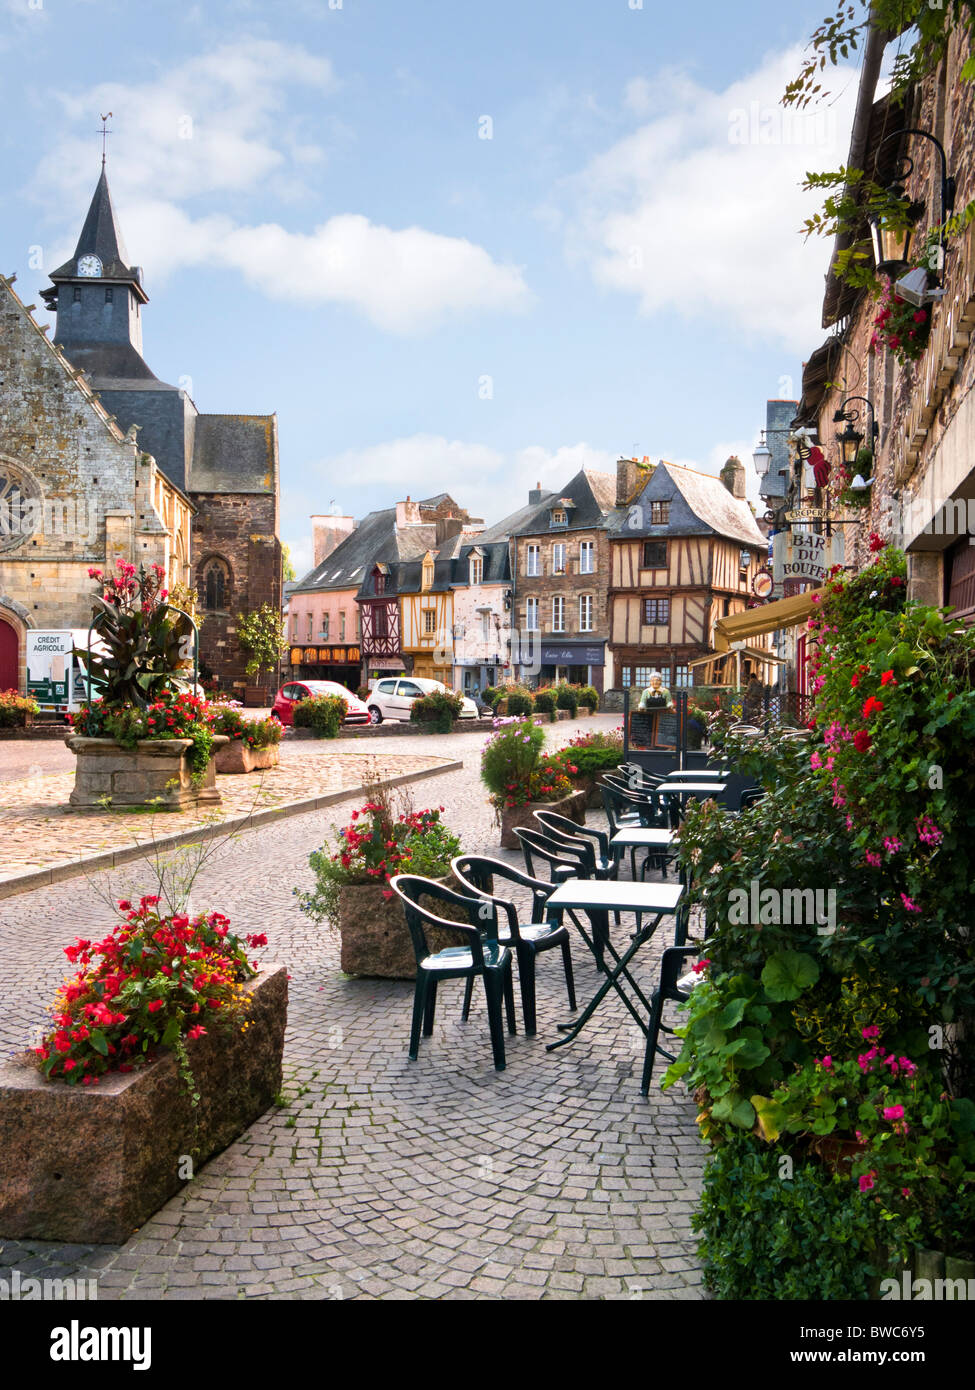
{"x":684,"y":552}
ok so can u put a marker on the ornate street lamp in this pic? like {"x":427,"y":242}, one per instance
{"x":892,"y":236}
{"x":851,"y":439}
{"x":762,"y":457}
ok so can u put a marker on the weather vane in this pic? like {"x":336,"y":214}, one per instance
{"x":105,"y":133}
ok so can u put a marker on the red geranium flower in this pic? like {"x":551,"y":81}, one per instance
{"x":861,"y":740}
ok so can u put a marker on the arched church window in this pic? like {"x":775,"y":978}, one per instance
{"x":215,"y":586}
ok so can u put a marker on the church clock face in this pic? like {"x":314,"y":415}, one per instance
{"x":89,"y":266}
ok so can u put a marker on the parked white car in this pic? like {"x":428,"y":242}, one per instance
{"x":392,"y":697}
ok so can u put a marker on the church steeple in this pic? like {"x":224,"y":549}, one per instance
{"x":100,"y":236}
{"x":98,"y":297}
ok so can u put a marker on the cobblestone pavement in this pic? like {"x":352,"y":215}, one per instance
{"x":381,"y":1177}
{"x":40,"y":830}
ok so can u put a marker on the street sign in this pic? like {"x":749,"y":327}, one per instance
{"x":807,"y":514}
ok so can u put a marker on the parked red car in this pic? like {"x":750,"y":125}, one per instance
{"x":289,"y":695}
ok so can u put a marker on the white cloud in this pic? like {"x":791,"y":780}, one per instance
{"x":218,"y":123}
{"x":697,"y":212}
{"x":216,"y":130}
{"x":488,"y":482}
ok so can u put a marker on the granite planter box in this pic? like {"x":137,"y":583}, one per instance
{"x":238,"y":756}
{"x":573,"y":806}
{"x":375,"y":938}
{"x":92,"y":1163}
{"x":155,"y":770}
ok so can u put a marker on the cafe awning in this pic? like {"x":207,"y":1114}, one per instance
{"x":759,"y":654}
{"x":769,"y":617}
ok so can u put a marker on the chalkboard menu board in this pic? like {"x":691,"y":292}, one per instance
{"x":665,"y":733}
{"x":654,"y":728}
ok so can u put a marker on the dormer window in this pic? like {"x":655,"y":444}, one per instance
{"x":560,"y":516}
{"x":659,"y":513}
{"x":476,"y":569}
{"x":428,"y":574}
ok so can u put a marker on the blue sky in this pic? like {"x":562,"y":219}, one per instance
{"x":326,"y":232}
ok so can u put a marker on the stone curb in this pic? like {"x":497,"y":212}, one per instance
{"x":110,"y":859}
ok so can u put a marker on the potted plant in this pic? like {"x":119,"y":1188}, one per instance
{"x":437,"y":711}
{"x":320,"y":716}
{"x":147,"y":738}
{"x":567,"y":700}
{"x":165,"y":1045}
{"x":254,"y":744}
{"x":352,"y":873}
{"x":16,"y":711}
{"x":899,"y":325}
{"x":592,"y":755}
{"x":588,"y":699}
{"x":545,"y":702}
{"x":521,"y":778}
{"x":262,"y":634}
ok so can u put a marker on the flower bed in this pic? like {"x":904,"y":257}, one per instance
{"x":173,"y":1026}
{"x":437,"y":711}
{"x":832,"y":1040}
{"x":254,"y":743}
{"x":321,"y":714}
{"x":16,"y":711}
{"x":592,"y":755}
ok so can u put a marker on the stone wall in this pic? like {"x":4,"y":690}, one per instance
{"x":87,"y":490}
{"x":571,"y":585}
{"x":924,"y":409}
{"x":242,"y":530}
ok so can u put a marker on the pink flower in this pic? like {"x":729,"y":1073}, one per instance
{"x":198,"y":1032}
{"x":892,"y":844}
{"x":872,"y":1032}
{"x":893,"y":1112}
{"x":872,"y":859}
{"x":826,"y":1063}
{"x":866,"y":1180}
{"x":700,"y":966}
{"x":815,"y":762}
{"x":909,"y":904}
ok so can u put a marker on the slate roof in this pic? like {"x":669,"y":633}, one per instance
{"x":706,"y":507}
{"x":234,"y":453}
{"x":451,"y":569}
{"x":591,"y":496}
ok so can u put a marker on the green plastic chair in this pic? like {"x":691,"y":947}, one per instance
{"x":479,"y":875}
{"x":483,"y":957}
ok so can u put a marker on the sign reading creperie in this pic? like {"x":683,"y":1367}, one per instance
{"x":324,"y":656}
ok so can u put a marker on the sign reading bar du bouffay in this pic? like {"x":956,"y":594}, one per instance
{"x":324,"y":656}
{"x":799,"y":556}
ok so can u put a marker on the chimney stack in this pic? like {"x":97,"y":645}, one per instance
{"x":733,"y":477}
{"x":327,"y":533}
{"x":407,"y":513}
{"x":628,"y":476}
{"x":535,"y":495}
{"x":448,"y":526}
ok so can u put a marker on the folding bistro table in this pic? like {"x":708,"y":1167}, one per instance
{"x":659,"y":842}
{"x":601,"y":897}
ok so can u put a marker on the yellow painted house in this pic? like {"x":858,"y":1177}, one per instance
{"x":426,"y":606}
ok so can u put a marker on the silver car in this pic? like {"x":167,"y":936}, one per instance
{"x":393,"y":696}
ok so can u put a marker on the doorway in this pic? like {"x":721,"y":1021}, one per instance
{"x":9,"y":657}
